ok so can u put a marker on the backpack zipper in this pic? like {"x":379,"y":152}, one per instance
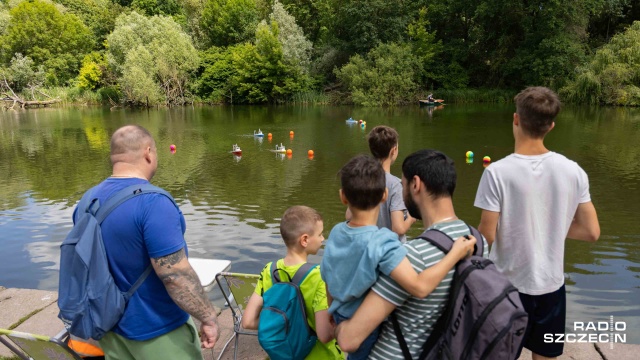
{"x":284,"y":317}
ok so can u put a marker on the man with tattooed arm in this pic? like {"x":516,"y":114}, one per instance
{"x":149,"y":229}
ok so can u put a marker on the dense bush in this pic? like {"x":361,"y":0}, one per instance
{"x":613,"y":76}
{"x":385,"y":76}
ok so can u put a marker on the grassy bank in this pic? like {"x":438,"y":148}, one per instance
{"x":468,"y":96}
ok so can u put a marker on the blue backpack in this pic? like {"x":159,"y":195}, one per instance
{"x":90,"y":302}
{"x":283,"y":330}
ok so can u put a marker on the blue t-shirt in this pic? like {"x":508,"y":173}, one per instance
{"x":353,"y":259}
{"x":144,"y":227}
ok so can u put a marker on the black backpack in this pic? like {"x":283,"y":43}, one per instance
{"x":484,"y":317}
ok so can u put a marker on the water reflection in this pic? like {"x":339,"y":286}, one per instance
{"x":49,"y":157}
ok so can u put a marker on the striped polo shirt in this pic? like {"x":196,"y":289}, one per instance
{"x":416,"y":316}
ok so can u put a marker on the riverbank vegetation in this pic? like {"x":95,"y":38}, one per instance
{"x":365,"y":52}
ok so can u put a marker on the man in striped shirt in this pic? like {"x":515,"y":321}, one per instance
{"x":428,"y":182}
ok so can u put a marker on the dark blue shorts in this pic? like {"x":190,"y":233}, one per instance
{"x":547,"y":314}
{"x":367,"y":345}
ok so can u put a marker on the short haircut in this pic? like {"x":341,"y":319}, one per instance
{"x":363,"y":182}
{"x":435,"y":169}
{"x":130,"y":139}
{"x":297,"y":221}
{"x":381,"y":140}
{"x":537,"y":107}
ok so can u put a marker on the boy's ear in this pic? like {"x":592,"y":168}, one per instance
{"x":304,"y":240}
{"x":343,"y":198}
{"x":385,"y":195}
{"x":516,"y":119}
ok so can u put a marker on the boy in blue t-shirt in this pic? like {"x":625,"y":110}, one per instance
{"x":357,"y":251}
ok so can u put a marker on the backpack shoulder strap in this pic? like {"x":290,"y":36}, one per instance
{"x":115,"y":201}
{"x":443,"y":242}
{"x":126,"y":194}
{"x":479,"y":247}
{"x":302,"y":273}
{"x":438,"y":239}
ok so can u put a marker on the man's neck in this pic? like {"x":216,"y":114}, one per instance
{"x":295,"y":257}
{"x":437,"y":211}
{"x":364,"y":217}
{"x":529,"y":146}
{"x":124,"y":170}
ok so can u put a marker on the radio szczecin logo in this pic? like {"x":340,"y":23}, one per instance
{"x":592,"y":332}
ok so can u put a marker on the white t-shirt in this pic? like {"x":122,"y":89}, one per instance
{"x":537,"y":197}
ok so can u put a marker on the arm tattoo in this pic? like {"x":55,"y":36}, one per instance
{"x":171,"y":259}
{"x":184,"y":287}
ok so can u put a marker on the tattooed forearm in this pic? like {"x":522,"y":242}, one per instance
{"x":184,"y":287}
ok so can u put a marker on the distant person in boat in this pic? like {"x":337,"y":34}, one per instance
{"x":301,"y":228}
{"x":531,"y":201}
{"x":430,"y":98}
{"x":149,"y":229}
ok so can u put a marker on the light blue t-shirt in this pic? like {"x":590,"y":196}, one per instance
{"x":144,"y":227}
{"x":353,"y":259}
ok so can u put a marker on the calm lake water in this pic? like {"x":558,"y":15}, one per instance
{"x":49,"y":157}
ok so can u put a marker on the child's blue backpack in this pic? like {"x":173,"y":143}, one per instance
{"x":90,"y":302}
{"x":283,"y":330}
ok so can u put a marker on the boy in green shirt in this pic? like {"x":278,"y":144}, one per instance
{"x":301,"y":229}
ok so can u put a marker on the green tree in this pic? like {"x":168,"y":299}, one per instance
{"x":296,"y":49}
{"x":613,"y":76}
{"x":385,"y":76}
{"x":23,"y":74}
{"x":262,"y":75}
{"x":98,"y":15}
{"x":229,"y":22}
{"x":360,"y":25}
{"x":216,"y":73}
{"x":153,"y":59}
{"x":57,"y":41}
{"x":424,"y":45}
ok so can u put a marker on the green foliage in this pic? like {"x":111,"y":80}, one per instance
{"x":424,"y":45}
{"x":262,"y":75}
{"x":93,"y":67}
{"x":386,"y":76}
{"x":228,"y":22}
{"x":153,"y":59}
{"x":98,"y":15}
{"x":4,"y":20}
{"x":360,"y":25}
{"x":58,"y":41}
{"x":22,"y":73}
{"x":157,"y":7}
{"x":296,"y":49}
{"x":215,"y":75}
{"x":313,"y":16}
{"x":613,"y":76}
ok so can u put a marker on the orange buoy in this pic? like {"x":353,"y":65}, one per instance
{"x":269,"y":135}
{"x":310,"y":152}
{"x":291,"y":133}
{"x":289,"y":152}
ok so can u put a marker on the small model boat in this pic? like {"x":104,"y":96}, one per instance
{"x":236,"y":150}
{"x":351,"y":121}
{"x":280,"y":149}
{"x":258,"y":133}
